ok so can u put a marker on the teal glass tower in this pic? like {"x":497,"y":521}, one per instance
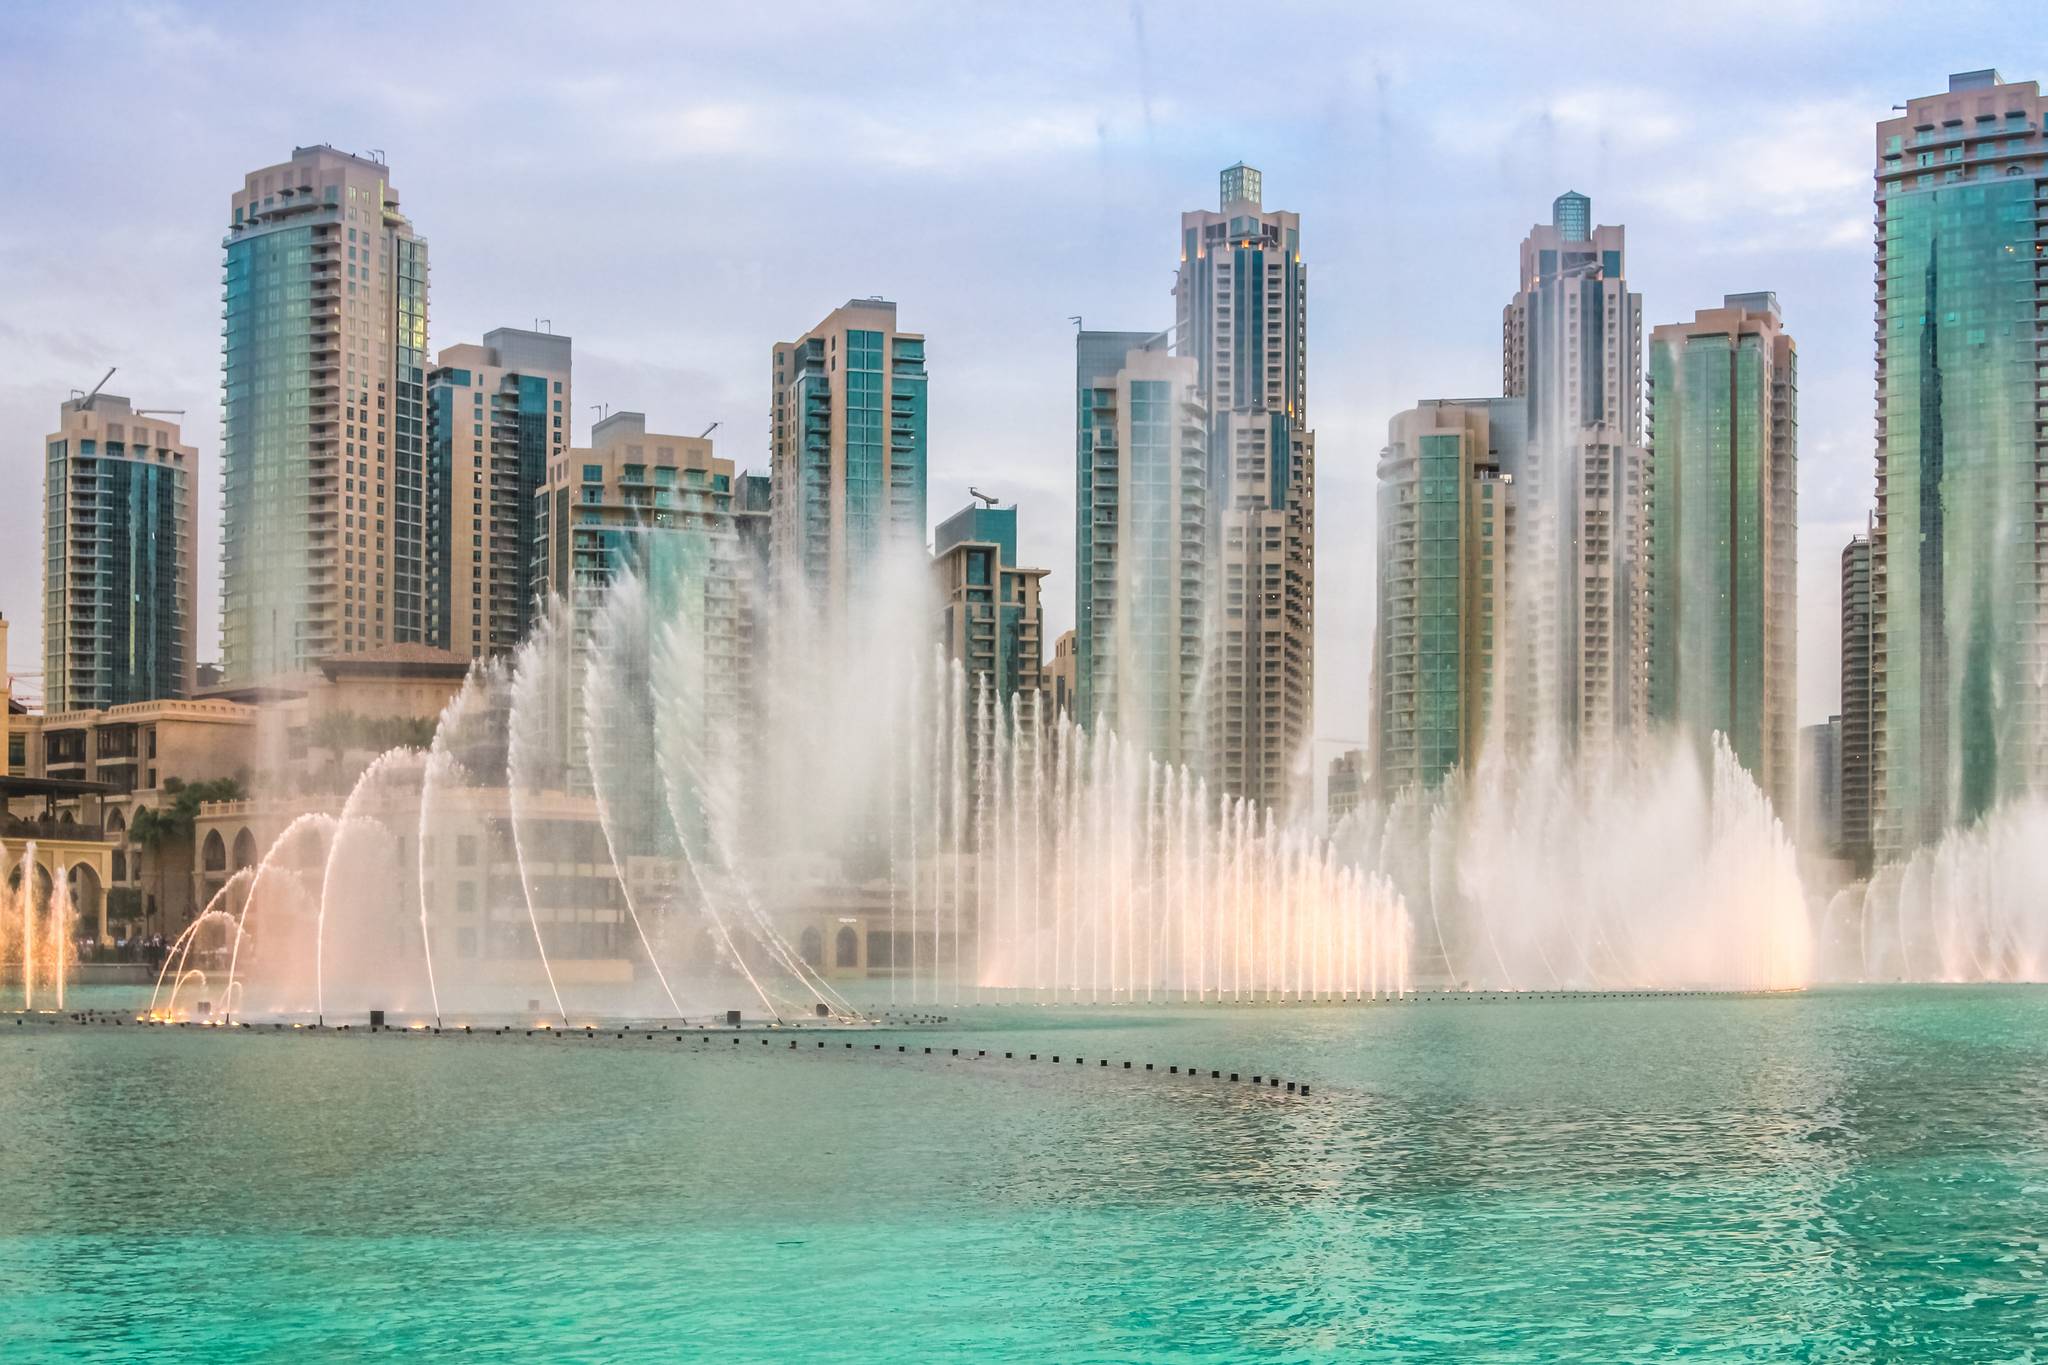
{"x":120,"y":502}
{"x":1141,"y":542}
{"x":1959,"y":586}
{"x":847,"y":440}
{"x":1724,"y":479}
{"x":323,"y":421}
{"x":1445,"y":508}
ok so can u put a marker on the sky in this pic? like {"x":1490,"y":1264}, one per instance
{"x":679,"y":187}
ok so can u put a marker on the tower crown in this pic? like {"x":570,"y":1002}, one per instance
{"x":1240,"y":185}
{"x":1571,"y":213}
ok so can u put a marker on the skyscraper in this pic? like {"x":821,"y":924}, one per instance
{"x":1724,"y":481}
{"x":659,"y":507}
{"x":1346,"y":784}
{"x":847,"y":435}
{"x":1820,"y":788}
{"x":323,"y":422}
{"x":1141,"y":538}
{"x":1443,"y":548}
{"x":121,"y":512}
{"x":1959,"y":587}
{"x":1572,"y":351}
{"x":498,"y":419}
{"x":1858,"y":738}
{"x":1241,"y":313}
{"x":992,"y":624}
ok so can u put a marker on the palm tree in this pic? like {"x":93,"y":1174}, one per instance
{"x":155,"y":828}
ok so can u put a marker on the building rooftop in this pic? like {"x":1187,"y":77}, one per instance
{"x":396,"y":661}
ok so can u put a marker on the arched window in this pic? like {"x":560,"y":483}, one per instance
{"x":214,"y":853}
{"x":846,"y":947}
{"x":812,"y":946}
{"x":245,"y":850}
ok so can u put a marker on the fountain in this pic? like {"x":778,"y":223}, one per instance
{"x":35,"y":931}
{"x":1646,"y":870}
{"x":1968,"y":908}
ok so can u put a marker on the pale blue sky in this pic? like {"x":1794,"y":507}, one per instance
{"x":677,"y":187}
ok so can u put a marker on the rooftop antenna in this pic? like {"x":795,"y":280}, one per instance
{"x":707,"y":431}
{"x":377,"y":155}
{"x":85,"y":398}
{"x":1076,"y":320}
{"x":603,"y":410}
{"x":159,"y":412}
{"x":973,"y":492}
{"x":544,"y":325}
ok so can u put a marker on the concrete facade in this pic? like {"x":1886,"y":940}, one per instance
{"x":1572,"y":351}
{"x":498,"y":423}
{"x":990,"y":621}
{"x":1241,"y":313}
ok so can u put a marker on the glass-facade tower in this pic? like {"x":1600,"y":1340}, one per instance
{"x":120,"y":609}
{"x":847,"y":442}
{"x":1444,"y":522}
{"x":1724,"y":400}
{"x":323,"y":422}
{"x":1959,"y":649}
{"x":1142,"y":510}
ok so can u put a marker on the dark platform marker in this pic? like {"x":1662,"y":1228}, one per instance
{"x":732,"y":1018}
{"x":376,"y":1018}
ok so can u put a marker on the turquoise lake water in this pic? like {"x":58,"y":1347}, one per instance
{"x":1845,"y":1174}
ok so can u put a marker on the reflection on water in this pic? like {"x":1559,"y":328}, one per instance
{"x":1854,"y":1173}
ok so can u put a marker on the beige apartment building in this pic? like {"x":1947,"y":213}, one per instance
{"x":1572,"y":351}
{"x":498,"y":420}
{"x":323,"y":430}
{"x":1241,"y":313}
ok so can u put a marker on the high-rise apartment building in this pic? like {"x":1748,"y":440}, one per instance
{"x":1346,"y":784}
{"x":1572,"y":351}
{"x":1241,"y":314}
{"x":1858,"y":738}
{"x":121,"y":513}
{"x":1445,"y":518}
{"x":990,"y":619}
{"x":1723,"y":517}
{"x":323,"y":421}
{"x":1060,"y":676}
{"x":847,"y":436}
{"x":1820,"y":788}
{"x":661,"y":508}
{"x":1959,"y":585}
{"x":1141,"y":543}
{"x":498,"y":421}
